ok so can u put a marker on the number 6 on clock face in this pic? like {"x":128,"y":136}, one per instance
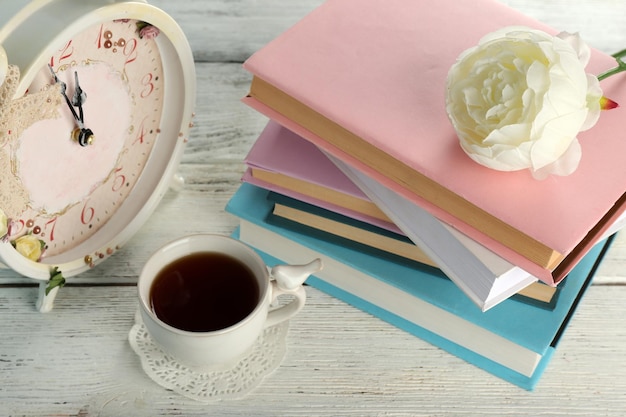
{"x":83,"y":182}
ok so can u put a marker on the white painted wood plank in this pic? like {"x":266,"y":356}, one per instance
{"x":600,"y":22}
{"x":230,"y":31}
{"x":340,"y":361}
{"x":612,"y":271}
{"x":76,"y":360}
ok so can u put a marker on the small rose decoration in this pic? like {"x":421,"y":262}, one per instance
{"x":29,"y":246}
{"x":518,"y":99}
{"x":147,"y":31}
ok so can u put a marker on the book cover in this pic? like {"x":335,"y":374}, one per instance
{"x":295,"y":214}
{"x":513,"y":341}
{"x":327,"y":225}
{"x":302,"y":171}
{"x":284,"y":162}
{"x":388,"y":120}
{"x":319,"y":195}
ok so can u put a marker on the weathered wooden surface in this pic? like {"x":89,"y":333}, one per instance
{"x":76,"y":360}
{"x":340,"y":361}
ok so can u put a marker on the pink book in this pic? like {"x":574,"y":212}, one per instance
{"x":378,"y":69}
{"x":280,"y":152}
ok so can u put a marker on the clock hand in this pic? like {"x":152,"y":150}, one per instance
{"x":79,"y":98}
{"x":81,"y":134}
{"x":84,"y":136}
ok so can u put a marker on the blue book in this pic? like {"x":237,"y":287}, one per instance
{"x":513,"y":340}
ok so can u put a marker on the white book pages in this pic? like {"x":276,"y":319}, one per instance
{"x":483,"y":275}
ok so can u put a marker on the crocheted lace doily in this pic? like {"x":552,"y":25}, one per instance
{"x":231,"y":382}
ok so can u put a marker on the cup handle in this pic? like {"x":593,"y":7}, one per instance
{"x":285,"y":312}
{"x":289,"y":279}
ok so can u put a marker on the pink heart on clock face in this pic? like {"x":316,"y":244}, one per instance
{"x":56,"y":170}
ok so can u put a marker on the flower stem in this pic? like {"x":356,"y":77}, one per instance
{"x":621,"y":65}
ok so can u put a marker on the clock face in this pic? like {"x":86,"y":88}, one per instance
{"x":58,"y":190}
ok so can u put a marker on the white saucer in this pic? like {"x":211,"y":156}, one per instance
{"x":230,"y":382}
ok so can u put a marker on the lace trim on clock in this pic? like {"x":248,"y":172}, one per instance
{"x":231,"y":382}
{"x":13,"y":197}
{"x":15,"y":117}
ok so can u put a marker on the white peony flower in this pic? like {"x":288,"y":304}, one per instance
{"x":518,"y":99}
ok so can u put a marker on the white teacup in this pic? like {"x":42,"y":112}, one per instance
{"x":200,"y":349}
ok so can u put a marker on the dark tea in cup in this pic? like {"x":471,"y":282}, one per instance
{"x":205,"y":299}
{"x":204,"y":291}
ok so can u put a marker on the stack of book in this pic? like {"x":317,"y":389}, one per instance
{"x":359,"y":166}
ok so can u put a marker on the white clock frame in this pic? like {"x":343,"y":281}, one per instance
{"x":25,"y":45}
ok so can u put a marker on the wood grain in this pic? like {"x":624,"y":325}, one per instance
{"x":340,"y":361}
{"x":76,"y":361}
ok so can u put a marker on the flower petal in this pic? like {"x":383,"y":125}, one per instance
{"x":555,"y":138}
{"x":594,"y":102}
{"x":563,"y":166}
{"x":580,"y":47}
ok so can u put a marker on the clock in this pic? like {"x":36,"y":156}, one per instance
{"x":96,"y":103}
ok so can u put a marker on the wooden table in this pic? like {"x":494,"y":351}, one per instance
{"x":76,"y":360}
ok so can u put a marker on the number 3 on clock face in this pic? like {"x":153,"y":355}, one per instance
{"x":130,"y":84}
